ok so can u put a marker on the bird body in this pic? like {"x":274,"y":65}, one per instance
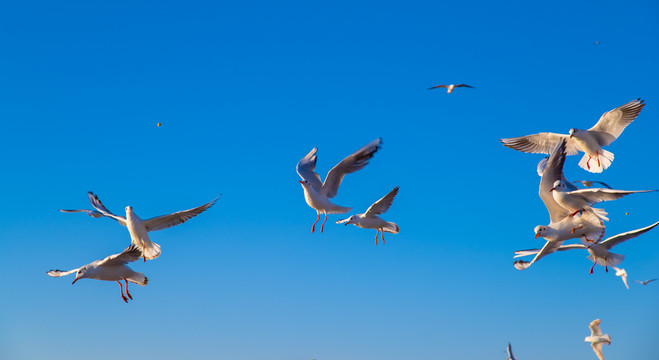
{"x":590,"y":142}
{"x":371,"y":220}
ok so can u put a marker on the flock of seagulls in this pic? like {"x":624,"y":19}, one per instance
{"x":571,"y":211}
{"x":113,"y":267}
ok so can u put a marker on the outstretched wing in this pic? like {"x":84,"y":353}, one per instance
{"x":595,"y":328}
{"x":520,"y":253}
{"x":167,"y":221}
{"x":438,"y":86}
{"x":596,"y":195}
{"x":613,"y":122}
{"x":306,"y":167}
{"x":130,"y":254}
{"x":552,"y":172}
{"x":597,"y":348}
{"x":381,"y":206}
{"x":588,"y":183}
{"x":620,"y":238}
{"x":464,"y":85}
{"x":352,"y":163}
{"x":550,"y":247}
{"x":58,"y":273}
{"x":542,"y":143}
{"x":98,"y":205}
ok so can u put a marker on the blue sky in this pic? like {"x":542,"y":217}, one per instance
{"x":243,"y":91}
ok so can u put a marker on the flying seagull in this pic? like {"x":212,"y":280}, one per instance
{"x":645,"y":282}
{"x":112,"y":268}
{"x":371,"y":220}
{"x":597,"y":339}
{"x":510,"y":353}
{"x":318,"y":194}
{"x":599,"y":252}
{"x":139,"y":228}
{"x":590,"y":141}
{"x":449,"y":88}
{"x":562,"y":226}
{"x":623,"y":275}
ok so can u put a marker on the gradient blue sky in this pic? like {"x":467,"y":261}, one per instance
{"x":243,"y":91}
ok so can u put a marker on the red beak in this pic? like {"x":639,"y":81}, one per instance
{"x":301,"y":182}
{"x":570,"y":136}
{"x":536,"y":235}
{"x":552,"y":189}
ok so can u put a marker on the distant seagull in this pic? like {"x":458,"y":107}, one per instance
{"x":597,"y":339}
{"x":582,"y":199}
{"x":317,"y":194}
{"x":92,"y":213}
{"x":623,"y":275}
{"x":590,"y":141}
{"x":371,"y":220}
{"x":510,"y":353}
{"x":139,"y":228}
{"x":599,"y":252}
{"x":597,"y":43}
{"x":562,"y":226}
{"x":645,"y":282}
{"x":112,"y":268}
{"x":449,"y":88}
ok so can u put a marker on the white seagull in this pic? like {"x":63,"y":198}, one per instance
{"x":318,"y":194}
{"x":645,"y":282}
{"x":597,"y":339}
{"x":600,"y":253}
{"x":371,"y":220}
{"x":112,"y":268}
{"x":582,"y":199}
{"x":510,"y":353}
{"x":623,"y":275}
{"x":449,"y":88}
{"x":139,"y":228}
{"x":562,"y":226}
{"x":590,"y":141}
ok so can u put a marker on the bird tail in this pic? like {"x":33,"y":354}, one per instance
{"x":611,"y":259}
{"x":138,"y":278}
{"x":339,"y":210}
{"x":607,"y":338}
{"x":151,"y":250}
{"x":597,"y":164}
{"x":391,"y":227}
{"x":600,"y":213}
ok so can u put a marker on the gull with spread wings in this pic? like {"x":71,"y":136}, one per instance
{"x":449,"y":88}
{"x":112,"y":268}
{"x":596,"y":338}
{"x":590,"y":141}
{"x":318,"y":194}
{"x":371,"y":220}
{"x":562,"y":226}
{"x":139,"y":229}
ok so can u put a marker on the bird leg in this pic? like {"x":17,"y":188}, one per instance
{"x":574,"y":213}
{"x":382,"y":234}
{"x":606,"y":268}
{"x":376,"y":236}
{"x":313,"y":227}
{"x":591,"y":269}
{"x":576,"y":228}
{"x":323,"y":225}
{"x":587,"y":162}
{"x":598,"y":159}
{"x":127,"y":293}
{"x":121,"y":287}
{"x":587,"y":239}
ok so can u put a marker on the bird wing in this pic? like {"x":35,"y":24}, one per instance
{"x":613,"y":122}
{"x":588,"y":183}
{"x":98,"y":205}
{"x":77,"y":211}
{"x":597,"y":348}
{"x":179,"y":217}
{"x":550,"y":247}
{"x":595,"y":328}
{"x":540,"y":143}
{"x":520,"y":253}
{"x":58,"y":273}
{"x":552,"y":172}
{"x":381,"y":206}
{"x":130,"y":254}
{"x":352,"y":163}
{"x":596,"y":195}
{"x":620,"y":238}
{"x":306,"y":167}
{"x":510,"y":352}
{"x":464,"y":85}
{"x":438,"y":86}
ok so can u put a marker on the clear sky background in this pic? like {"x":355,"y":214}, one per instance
{"x":243,"y":91}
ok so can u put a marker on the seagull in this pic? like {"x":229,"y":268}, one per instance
{"x":318,"y":194}
{"x":449,"y":88}
{"x":623,"y":275}
{"x":562,"y":226}
{"x":510,"y":353}
{"x":112,"y":268}
{"x":645,"y":282}
{"x":139,"y":228}
{"x":590,"y":141}
{"x":371,"y":220}
{"x":599,"y":252}
{"x":92,"y":213}
{"x":596,"y":338}
{"x":582,"y":199}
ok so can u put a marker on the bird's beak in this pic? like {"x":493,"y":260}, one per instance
{"x":536,"y":235}
{"x":552,"y":189}
{"x":347,"y":222}
{"x":74,"y":281}
{"x":571,"y":136}
{"x":301,"y":182}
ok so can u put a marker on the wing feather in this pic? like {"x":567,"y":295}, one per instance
{"x":167,"y":221}
{"x":352,"y":163}
{"x":620,"y":238}
{"x":98,"y":205}
{"x":542,"y":143}
{"x":552,"y":172}
{"x":613,"y":122}
{"x":381,"y":206}
{"x":130,"y":254}
{"x":58,"y":273}
{"x":306,"y":169}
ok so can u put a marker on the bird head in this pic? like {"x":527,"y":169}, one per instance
{"x":346,"y":221}
{"x":539,"y":231}
{"x":573,"y":131}
{"x":129,"y":209}
{"x":558,"y":185}
{"x":80,"y":274}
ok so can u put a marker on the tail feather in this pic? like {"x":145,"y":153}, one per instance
{"x":138,"y":278}
{"x":597,"y":164}
{"x":339,"y":210}
{"x":611,"y":260}
{"x":600,"y":213}
{"x":391,"y":227}
{"x":151,"y":251}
